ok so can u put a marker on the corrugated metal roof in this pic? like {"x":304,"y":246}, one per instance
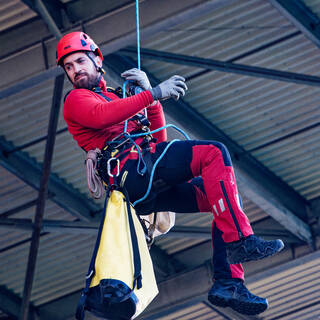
{"x":297,"y":287}
{"x":14,"y":12}
{"x":313,"y":5}
{"x":199,"y":311}
{"x":252,"y":111}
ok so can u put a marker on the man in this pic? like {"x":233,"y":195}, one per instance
{"x":196,"y":175}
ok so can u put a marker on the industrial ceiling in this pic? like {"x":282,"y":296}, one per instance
{"x":252,"y":68}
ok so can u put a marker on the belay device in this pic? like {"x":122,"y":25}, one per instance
{"x":120,"y":282}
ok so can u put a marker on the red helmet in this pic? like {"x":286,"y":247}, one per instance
{"x":73,"y":42}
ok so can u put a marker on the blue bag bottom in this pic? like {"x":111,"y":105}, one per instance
{"x":112,"y":300}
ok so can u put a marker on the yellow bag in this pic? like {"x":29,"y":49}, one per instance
{"x":120,"y":282}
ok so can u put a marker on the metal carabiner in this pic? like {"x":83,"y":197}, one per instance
{"x":109,"y":167}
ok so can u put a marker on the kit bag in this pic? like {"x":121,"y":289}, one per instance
{"x":120,"y":282}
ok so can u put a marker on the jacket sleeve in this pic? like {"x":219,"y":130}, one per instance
{"x":87,"y":109}
{"x":157,"y":120}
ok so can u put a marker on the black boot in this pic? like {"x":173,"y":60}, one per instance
{"x":252,"y":248}
{"x":234,"y":294}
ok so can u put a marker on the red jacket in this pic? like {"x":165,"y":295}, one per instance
{"x":92,"y":120}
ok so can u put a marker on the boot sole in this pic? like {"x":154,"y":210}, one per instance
{"x":246,"y":308}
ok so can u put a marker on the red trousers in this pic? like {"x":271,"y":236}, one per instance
{"x":197,"y":176}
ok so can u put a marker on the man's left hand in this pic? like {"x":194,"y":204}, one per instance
{"x":139,"y":77}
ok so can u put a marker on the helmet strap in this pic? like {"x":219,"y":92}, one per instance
{"x":99,"y":69}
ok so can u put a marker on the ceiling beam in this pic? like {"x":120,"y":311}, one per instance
{"x":30,"y":82}
{"x":262,"y":229}
{"x":81,"y":227}
{"x":41,"y":9}
{"x":44,"y":13}
{"x":301,"y":16}
{"x":257,"y":182}
{"x":210,"y":64}
{"x":17,"y":209}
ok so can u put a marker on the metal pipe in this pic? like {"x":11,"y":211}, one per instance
{"x":48,"y":19}
{"x":52,"y":128}
{"x":222,"y":66}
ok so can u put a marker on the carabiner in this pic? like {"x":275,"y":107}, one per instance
{"x":109,"y":167}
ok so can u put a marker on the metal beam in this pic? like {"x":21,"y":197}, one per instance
{"x":35,"y":241}
{"x":82,"y":227}
{"x":62,"y":194}
{"x":257,"y":182}
{"x":47,"y":18}
{"x":160,"y":261}
{"x":301,"y":16}
{"x":31,"y":82}
{"x":34,"y":142}
{"x":15,"y":210}
{"x":39,"y":7}
{"x":58,"y":226}
{"x":222,"y":66}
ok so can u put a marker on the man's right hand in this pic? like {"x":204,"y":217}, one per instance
{"x":171,"y":88}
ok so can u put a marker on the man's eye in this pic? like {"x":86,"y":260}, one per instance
{"x":68,"y":67}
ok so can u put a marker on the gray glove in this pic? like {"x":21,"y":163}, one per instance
{"x":139,"y":77}
{"x":171,"y":88}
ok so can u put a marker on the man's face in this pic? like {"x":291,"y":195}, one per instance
{"x":81,"y":70}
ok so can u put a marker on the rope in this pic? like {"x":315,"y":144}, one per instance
{"x":153,"y":170}
{"x":138,"y":34}
{"x":94,"y":183}
{"x":159,"y":129}
{"x":131,"y":136}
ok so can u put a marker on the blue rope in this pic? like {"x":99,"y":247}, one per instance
{"x":123,"y":96}
{"x":140,"y":157}
{"x":138,"y":33}
{"x":159,"y":129}
{"x":131,"y":136}
{"x":153,"y":170}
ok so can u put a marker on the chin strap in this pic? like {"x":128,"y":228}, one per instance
{"x":99,"y":69}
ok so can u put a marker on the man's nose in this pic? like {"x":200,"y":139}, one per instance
{"x":77,"y":68}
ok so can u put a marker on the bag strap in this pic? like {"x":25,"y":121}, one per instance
{"x":135,"y":247}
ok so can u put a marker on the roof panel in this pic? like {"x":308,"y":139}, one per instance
{"x":252,"y":111}
{"x":14,"y":12}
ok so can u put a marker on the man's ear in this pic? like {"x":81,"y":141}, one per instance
{"x":99,"y":65}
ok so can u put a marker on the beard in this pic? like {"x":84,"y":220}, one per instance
{"x":87,"y":81}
